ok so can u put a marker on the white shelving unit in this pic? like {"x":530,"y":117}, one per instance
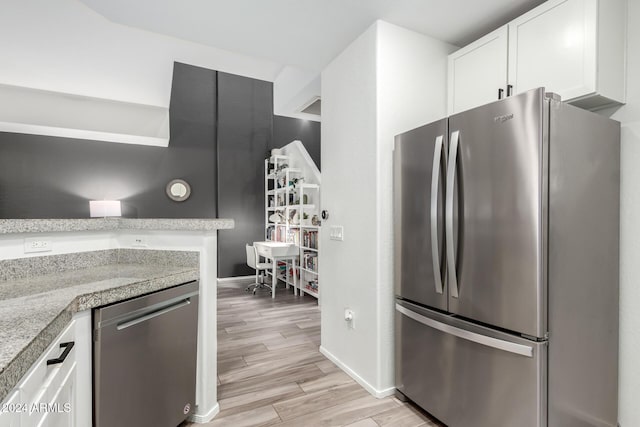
{"x":289,"y":197}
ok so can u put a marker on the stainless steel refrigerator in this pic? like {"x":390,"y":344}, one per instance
{"x":506,"y":265}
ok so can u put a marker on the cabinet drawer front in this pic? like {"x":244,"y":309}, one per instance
{"x":50,"y":391}
{"x":554,"y":46}
{"x":60,"y":410}
{"x":41,"y":375}
{"x":467,"y":378}
{"x":9,"y":411}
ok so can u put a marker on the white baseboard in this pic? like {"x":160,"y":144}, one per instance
{"x":371,"y":389}
{"x":205,"y":418}
{"x":236,"y":282}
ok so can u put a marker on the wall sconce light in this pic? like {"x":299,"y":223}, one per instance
{"x":104,"y":208}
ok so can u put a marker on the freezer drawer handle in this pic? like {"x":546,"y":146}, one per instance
{"x":67,"y":346}
{"x":451,"y":173}
{"x":508,"y":346}
{"x":435,"y":174}
{"x":155,"y":313}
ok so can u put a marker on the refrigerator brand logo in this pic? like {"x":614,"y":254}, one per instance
{"x":502,"y":119}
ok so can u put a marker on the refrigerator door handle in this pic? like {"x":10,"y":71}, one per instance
{"x":435,"y":174}
{"x":508,"y":346}
{"x":451,"y":173}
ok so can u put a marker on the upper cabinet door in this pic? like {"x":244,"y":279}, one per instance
{"x":478,"y":72}
{"x":554,"y":46}
{"x":575,"y":48}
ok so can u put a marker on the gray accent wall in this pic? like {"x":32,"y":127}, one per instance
{"x":222,"y":129}
{"x":245,"y":115}
{"x":50,"y":177}
{"x":287,"y":129}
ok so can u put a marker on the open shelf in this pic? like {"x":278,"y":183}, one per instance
{"x":273,"y":159}
{"x":280,"y":190}
{"x":284,"y":169}
{"x":309,"y":291}
{"x":309,"y":186}
{"x":308,"y":271}
{"x":282,"y":172}
{"x":288,"y":280}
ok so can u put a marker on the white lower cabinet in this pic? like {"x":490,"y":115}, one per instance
{"x":56,"y":391}
{"x":62,"y":404}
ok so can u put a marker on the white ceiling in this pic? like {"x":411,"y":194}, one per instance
{"x":306,"y":33}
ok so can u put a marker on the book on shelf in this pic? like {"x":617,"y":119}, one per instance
{"x":293,"y":236}
{"x":312,"y":285}
{"x":310,"y":261}
{"x":310,"y":239}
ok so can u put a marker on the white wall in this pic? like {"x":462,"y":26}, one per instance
{"x":412,"y":91}
{"x":292,"y":89}
{"x":387,"y":81}
{"x":347,"y":269}
{"x":62,"y":45}
{"x":629,"y":116}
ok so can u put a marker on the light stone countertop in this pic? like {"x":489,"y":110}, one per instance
{"x":11,"y":226}
{"x":34,"y":310}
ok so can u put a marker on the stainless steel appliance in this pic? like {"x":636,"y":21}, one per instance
{"x":145,"y":359}
{"x":506,"y":275}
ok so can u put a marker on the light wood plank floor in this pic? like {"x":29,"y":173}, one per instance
{"x":270,"y":372}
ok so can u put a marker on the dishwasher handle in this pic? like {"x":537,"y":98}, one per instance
{"x":143,"y":317}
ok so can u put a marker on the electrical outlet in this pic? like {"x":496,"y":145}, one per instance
{"x":139,"y":242}
{"x":37,"y":245}
{"x":336,"y":232}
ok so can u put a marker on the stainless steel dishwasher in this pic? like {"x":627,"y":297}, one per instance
{"x":145,"y":359}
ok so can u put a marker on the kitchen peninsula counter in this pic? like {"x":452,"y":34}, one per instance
{"x":10,"y":226}
{"x":35,"y":308}
{"x":144,"y":255}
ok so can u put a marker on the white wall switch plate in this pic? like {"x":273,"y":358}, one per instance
{"x":37,"y":245}
{"x":336,"y":232}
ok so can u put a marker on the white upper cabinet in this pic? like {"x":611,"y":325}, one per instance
{"x":555,"y":47}
{"x":478,"y":72}
{"x":575,"y":48}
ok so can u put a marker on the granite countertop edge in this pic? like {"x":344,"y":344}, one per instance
{"x":15,"y":226}
{"x":27,"y":356}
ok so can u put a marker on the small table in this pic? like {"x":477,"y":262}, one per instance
{"x":279,"y":251}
